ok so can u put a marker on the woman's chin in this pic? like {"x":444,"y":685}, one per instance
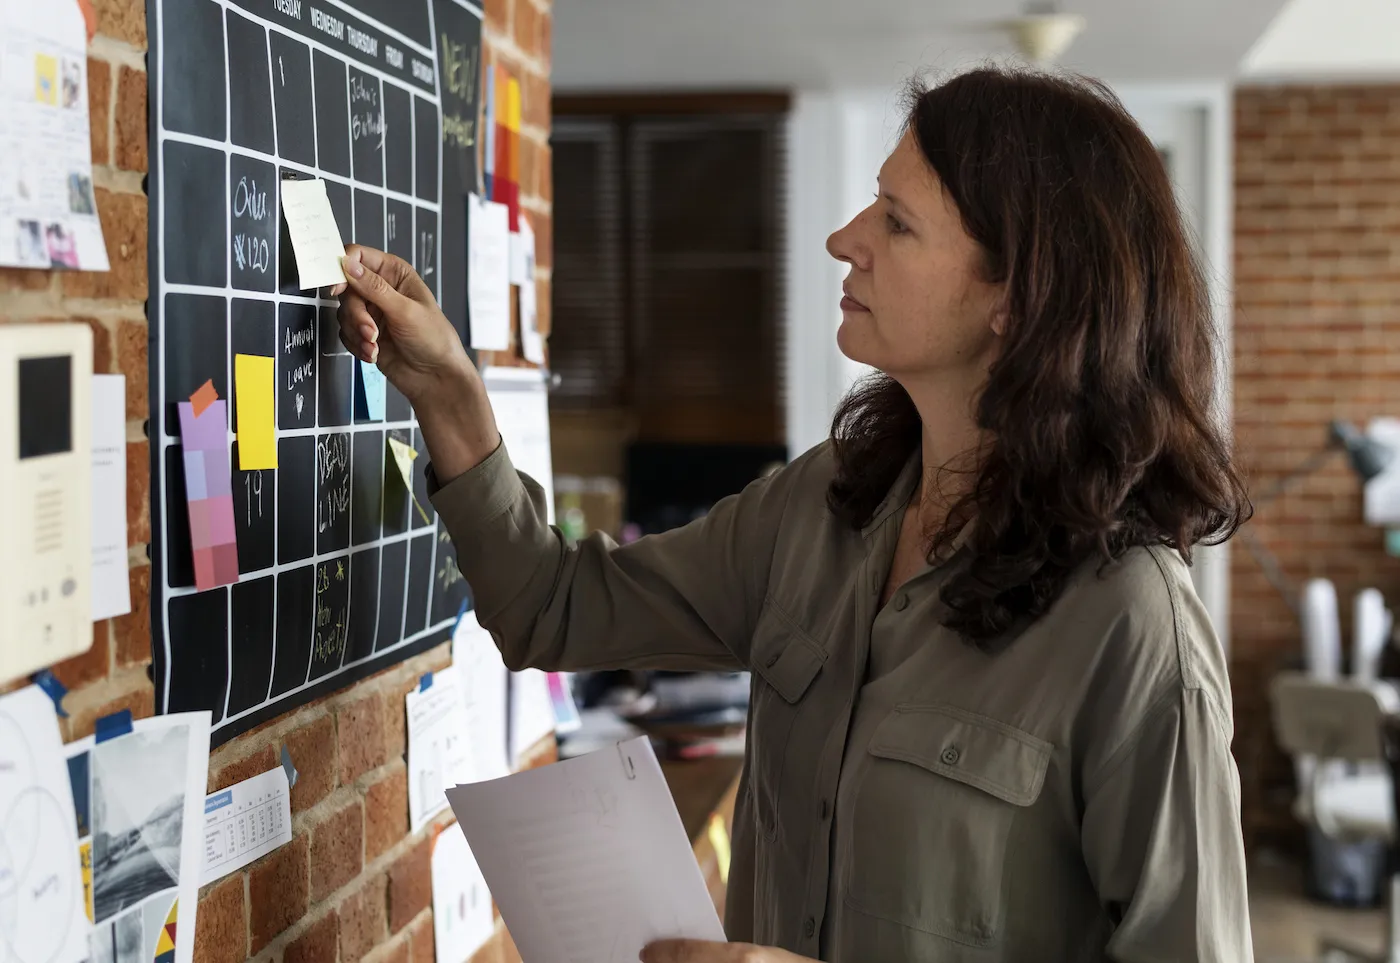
{"x":853,"y":340}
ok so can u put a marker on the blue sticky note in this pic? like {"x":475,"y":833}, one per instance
{"x":426,"y":682}
{"x":110,"y":727}
{"x":369,"y":393}
{"x":55,"y":690}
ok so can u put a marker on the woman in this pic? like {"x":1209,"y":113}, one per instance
{"x":990,"y":720}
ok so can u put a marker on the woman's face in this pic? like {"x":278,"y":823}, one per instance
{"x":916,"y":306}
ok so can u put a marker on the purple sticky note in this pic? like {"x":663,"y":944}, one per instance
{"x":208,"y":432}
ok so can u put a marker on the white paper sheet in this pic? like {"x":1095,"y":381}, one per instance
{"x":483,"y":680}
{"x":462,"y":916}
{"x":316,"y":238}
{"x":587,"y":858}
{"x":246,"y":822}
{"x":48,"y":210}
{"x":42,"y":914}
{"x":111,"y":590}
{"x":439,"y":747}
{"x":140,"y":807}
{"x":520,"y":401}
{"x":488,"y":273}
{"x":531,"y":712}
{"x":531,"y":341}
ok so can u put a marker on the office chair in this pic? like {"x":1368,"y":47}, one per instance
{"x":1340,"y":730}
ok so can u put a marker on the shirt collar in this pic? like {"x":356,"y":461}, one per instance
{"x":897,"y":499}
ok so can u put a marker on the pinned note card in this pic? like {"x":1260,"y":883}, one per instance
{"x":209,"y":495}
{"x":314,"y":234}
{"x":370,"y":392}
{"x":254,"y":391}
{"x":488,"y":273}
{"x":462,"y":917}
{"x":403,"y":459}
{"x":111,"y":588}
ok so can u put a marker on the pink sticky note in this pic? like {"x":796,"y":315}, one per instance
{"x":221,"y":521}
{"x":206,"y":431}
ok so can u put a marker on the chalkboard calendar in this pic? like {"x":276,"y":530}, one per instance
{"x":342,"y":569}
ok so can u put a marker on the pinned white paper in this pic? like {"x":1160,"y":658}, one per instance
{"x":488,"y":273}
{"x":439,"y":747}
{"x":483,"y":678}
{"x":48,"y":209}
{"x":520,"y":402}
{"x":531,"y":712}
{"x":41,"y":878}
{"x":111,"y":589}
{"x":531,"y":342}
{"x":316,"y":239}
{"x":462,"y":916}
{"x":587,"y":858}
{"x":245,"y":822}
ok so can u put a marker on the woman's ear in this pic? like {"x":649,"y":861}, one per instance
{"x":1001,"y":318}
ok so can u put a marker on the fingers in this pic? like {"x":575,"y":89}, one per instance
{"x":376,"y":289}
{"x":395,"y":270}
{"x":358,"y":330}
{"x":691,"y":951}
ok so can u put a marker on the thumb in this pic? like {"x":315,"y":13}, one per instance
{"x":374,"y":289}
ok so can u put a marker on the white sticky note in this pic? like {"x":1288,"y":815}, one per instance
{"x":439,"y":747}
{"x":488,"y":273}
{"x":315,"y":236}
{"x":246,"y":822}
{"x":587,"y":859}
{"x":41,"y":876}
{"x":111,"y":590}
{"x":483,"y":678}
{"x":531,"y":341}
{"x":462,"y":916}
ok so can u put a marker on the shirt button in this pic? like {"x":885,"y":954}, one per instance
{"x":809,"y":927}
{"x":951,"y":755}
{"x":772,"y":660}
{"x":901,"y":602}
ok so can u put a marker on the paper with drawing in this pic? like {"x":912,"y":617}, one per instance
{"x":42,"y":919}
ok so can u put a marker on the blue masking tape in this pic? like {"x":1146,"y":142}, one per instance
{"x":425,"y":683}
{"x":292,"y":773}
{"x":55,"y":690}
{"x":117,"y":724}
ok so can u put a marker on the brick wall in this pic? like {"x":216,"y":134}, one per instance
{"x":1316,"y":337}
{"x":353,"y":884}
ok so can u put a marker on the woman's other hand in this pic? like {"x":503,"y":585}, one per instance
{"x":699,"y":951}
{"x":389,"y":317}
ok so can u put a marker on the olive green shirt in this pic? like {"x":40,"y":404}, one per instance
{"x":905,"y":796}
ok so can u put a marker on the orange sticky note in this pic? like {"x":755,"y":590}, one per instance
{"x":204,"y":397}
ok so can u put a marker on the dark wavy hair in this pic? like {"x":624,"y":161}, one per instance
{"x":1101,"y":406}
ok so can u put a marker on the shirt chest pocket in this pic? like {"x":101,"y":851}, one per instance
{"x":785,"y":661}
{"x":932,"y":816}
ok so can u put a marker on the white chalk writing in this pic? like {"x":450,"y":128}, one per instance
{"x":291,"y":8}
{"x":327,"y":24}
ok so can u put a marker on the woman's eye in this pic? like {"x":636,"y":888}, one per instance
{"x":894,"y":224}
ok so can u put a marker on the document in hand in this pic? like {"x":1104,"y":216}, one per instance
{"x":587,"y":859}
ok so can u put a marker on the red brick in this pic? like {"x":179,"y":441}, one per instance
{"x":278,"y":885}
{"x":529,"y":166}
{"x":411,"y":884}
{"x":313,"y":752}
{"x":544,"y":315}
{"x":544,"y":182}
{"x":23,"y":279}
{"x":316,"y":945}
{"x":122,"y":20}
{"x":337,"y":850}
{"x":527,"y":29}
{"x":131,"y":120}
{"x":132,"y":345}
{"x":123,"y":219}
{"x":139,"y":698}
{"x":220,"y":932}
{"x":546,"y":37}
{"x":99,"y":74}
{"x":386,"y":812}
{"x":362,"y":920}
{"x":543,"y":227}
{"x":396,"y":952}
{"x":534,"y":104}
{"x":421,"y":940}
{"x":360,"y":730}
{"x":395,"y":714}
{"x":241,"y":767}
{"x":497,"y":15}
{"x":92,"y":664}
{"x":138,"y":492}
{"x":133,"y":631}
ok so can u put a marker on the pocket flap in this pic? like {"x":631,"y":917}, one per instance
{"x":788,"y":661}
{"x":969,"y":748}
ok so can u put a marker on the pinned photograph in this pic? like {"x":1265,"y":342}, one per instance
{"x":63,"y":250}
{"x":80,"y":194}
{"x":29,"y":242}
{"x":138,"y":801}
{"x":119,"y":941}
{"x":72,"y":82}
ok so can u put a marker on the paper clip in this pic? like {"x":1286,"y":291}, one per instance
{"x":628,"y":766}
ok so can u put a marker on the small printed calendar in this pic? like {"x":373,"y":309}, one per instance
{"x":246,"y":822}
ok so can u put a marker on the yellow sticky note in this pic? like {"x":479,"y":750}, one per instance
{"x":403,"y":457}
{"x":254,"y":392}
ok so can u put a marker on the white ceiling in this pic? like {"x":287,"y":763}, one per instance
{"x":1329,"y":39}
{"x":816,"y":44}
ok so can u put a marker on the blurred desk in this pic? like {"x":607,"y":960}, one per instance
{"x":703,"y":788}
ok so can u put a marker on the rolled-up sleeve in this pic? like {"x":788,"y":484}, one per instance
{"x":684,"y":599}
{"x":1162,"y":838}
